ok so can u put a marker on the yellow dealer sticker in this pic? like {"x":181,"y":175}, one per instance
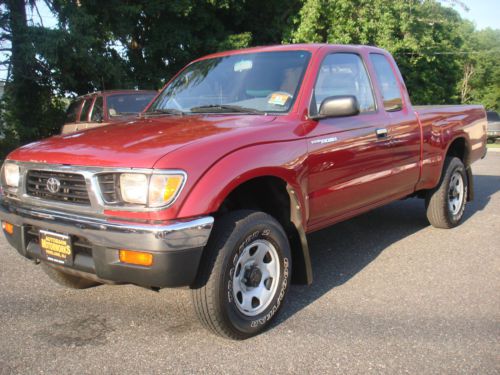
{"x":56,"y":247}
{"x":279,"y":98}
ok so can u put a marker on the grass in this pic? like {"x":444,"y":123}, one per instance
{"x":494,"y":145}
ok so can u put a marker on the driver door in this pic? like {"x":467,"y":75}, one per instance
{"x":349,"y":160}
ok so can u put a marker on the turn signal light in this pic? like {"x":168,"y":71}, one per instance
{"x":8,"y":227}
{"x":136,"y":257}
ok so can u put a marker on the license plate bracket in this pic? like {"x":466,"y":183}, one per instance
{"x":56,"y":247}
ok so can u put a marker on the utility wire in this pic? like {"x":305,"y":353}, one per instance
{"x":445,"y":53}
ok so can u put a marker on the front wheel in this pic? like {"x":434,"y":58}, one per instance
{"x":445,"y":204}
{"x":244,"y":275}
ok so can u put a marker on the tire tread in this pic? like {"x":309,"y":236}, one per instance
{"x":436,"y":200}
{"x":211,"y":271}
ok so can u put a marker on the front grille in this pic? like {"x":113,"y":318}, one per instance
{"x":110,"y":187}
{"x":73,"y":188}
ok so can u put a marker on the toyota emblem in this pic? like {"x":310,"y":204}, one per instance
{"x":53,"y":185}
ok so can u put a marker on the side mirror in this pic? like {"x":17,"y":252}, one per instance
{"x":337,"y":106}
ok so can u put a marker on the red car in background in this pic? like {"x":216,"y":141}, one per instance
{"x":104,"y":108}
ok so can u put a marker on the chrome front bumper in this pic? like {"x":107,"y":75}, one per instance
{"x":176,"y":246}
{"x":174,"y":236}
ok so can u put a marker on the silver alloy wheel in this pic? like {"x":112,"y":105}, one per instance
{"x":456,"y":193}
{"x":256,"y":277}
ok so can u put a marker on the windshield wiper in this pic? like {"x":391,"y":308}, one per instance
{"x":224,"y":108}
{"x":164,"y":111}
{"x":125,"y":113}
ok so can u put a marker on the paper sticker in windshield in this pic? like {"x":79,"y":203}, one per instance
{"x":243,"y":65}
{"x":279,"y":98}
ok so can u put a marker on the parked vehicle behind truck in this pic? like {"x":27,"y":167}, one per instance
{"x":104,"y":108}
{"x":219,"y":182}
{"x":493,"y":130}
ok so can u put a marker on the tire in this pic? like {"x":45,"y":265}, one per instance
{"x":445,"y":204}
{"x":244,"y":275}
{"x":66,"y":280}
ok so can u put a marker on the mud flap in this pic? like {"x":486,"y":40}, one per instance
{"x":302,"y":268}
{"x":470,"y":181}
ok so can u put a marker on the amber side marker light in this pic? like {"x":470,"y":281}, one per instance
{"x":8,"y":227}
{"x":136,"y":257}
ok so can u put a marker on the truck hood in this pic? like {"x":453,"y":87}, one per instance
{"x":134,"y":144}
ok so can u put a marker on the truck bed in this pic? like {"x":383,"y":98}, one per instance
{"x":441,"y":124}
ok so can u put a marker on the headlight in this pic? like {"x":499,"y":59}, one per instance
{"x":11,"y":174}
{"x":134,"y":188}
{"x":154,"y":190}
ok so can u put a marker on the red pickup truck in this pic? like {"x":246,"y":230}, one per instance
{"x":219,"y":181}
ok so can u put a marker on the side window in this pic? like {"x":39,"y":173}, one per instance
{"x":344,"y":74}
{"x":391,"y":94}
{"x":98,"y":111}
{"x":85,"y":110}
{"x":72,"y":111}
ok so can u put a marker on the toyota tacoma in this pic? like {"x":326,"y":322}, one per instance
{"x":218,"y":182}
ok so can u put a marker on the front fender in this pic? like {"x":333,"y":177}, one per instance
{"x":284,"y":160}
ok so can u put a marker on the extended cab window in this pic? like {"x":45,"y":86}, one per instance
{"x":344,"y":74}
{"x":391,"y":94}
{"x":72,"y":111}
{"x":84,"y":116}
{"x":97,"y":112}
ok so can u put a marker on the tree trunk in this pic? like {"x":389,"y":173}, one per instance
{"x":465,"y":88}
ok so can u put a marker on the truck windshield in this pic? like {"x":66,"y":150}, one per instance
{"x":249,"y":83}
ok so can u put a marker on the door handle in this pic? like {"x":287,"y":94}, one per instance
{"x":381,"y":133}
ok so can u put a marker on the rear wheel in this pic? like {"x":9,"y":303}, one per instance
{"x":244,"y":275}
{"x":66,"y":280}
{"x":445,"y":204}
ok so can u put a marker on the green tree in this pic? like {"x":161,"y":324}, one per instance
{"x":80,"y":53}
{"x":481,"y":71}
{"x":29,"y":109}
{"x":119,"y":44}
{"x":422,"y":35}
